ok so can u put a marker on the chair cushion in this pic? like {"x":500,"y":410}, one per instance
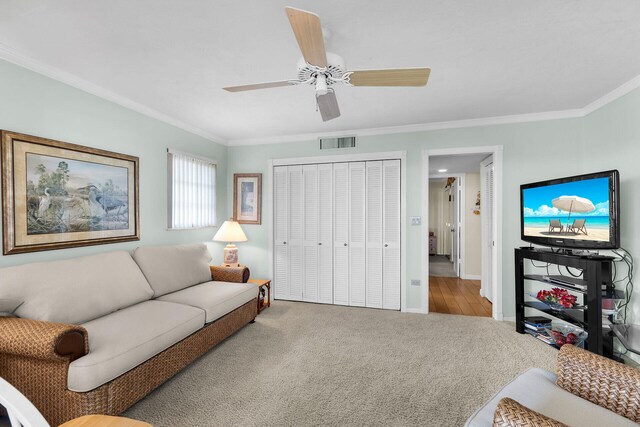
{"x":122,"y":340}
{"x":75,"y":290}
{"x":171,"y":268}
{"x":215,"y":298}
{"x":537,"y":390}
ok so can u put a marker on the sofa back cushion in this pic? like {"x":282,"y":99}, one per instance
{"x":171,"y":268}
{"x":75,"y":290}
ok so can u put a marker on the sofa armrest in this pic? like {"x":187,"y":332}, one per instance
{"x":42,"y":340}
{"x":602,"y":381}
{"x":230,"y":274}
{"x":510,"y":413}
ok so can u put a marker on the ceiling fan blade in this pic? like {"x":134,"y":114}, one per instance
{"x":392,"y":77}
{"x":258,"y":86}
{"x":308,"y":31}
{"x":328,"y":106}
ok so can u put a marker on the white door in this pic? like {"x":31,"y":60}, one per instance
{"x":296,"y":232}
{"x":310,"y":243}
{"x":325,"y":233}
{"x":374,"y":234}
{"x":341,"y":233}
{"x":357,"y":219}
{"x":280,"y":232}
{"x":391,"y":234}
{"x":453,"y":202}
{"x":487,"y":214}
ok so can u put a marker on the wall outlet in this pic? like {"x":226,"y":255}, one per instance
{"x":415,"y":283}
{"x":416,"y":220}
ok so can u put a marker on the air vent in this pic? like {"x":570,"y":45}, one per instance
{"x":340,"y":142}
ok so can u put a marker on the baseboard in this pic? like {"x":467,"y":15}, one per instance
{"x":472,"y":277}
{"x":414,"y":310}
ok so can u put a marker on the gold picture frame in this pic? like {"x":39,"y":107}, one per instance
{"x":247,"y":198}
{"x":59,"y":195}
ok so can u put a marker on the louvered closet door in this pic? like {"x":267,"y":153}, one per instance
{"x":391,"y":235}
{"x":341,"y":233}
{"x":374,"y":234}
{"x":325,"y":233}
{"x":296,"y":232}
{"x":357,"y":219}
{"x":281,"y":232}
{"x":310,"y":251}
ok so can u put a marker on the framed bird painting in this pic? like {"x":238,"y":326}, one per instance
{"x":60,"y":195}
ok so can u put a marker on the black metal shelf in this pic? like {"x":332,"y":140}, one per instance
{"x":596,"y":272}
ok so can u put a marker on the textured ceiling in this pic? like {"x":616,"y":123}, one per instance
{"x":488,"y":58}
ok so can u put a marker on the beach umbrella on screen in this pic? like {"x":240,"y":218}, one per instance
{"x":573,"y":204}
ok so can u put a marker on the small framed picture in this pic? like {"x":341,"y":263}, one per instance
{"x":247,"y":198}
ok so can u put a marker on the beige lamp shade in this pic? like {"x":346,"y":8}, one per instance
{"x":230,"y":232}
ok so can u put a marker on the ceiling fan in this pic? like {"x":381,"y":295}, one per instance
{"x":322,"y":69}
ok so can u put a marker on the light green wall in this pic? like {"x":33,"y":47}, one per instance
{"x":37,"y":105}
{"x":609,"y":138}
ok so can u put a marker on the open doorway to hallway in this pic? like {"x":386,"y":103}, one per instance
{"x":456,"y":235}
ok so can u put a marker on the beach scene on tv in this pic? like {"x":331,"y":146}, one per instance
{"x":573,"y":210}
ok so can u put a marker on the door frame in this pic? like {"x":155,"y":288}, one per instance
{"x":497,"y":152}
{"x":460,"y":178}
{"x":342,"y":158}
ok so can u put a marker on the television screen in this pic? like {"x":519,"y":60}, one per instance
{"x":580,"y":212}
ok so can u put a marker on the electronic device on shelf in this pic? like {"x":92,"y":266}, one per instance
{"x":571,"y":282}
{"x":580,"y":212}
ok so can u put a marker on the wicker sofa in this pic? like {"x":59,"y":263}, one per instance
{"x":94,"y":335}
{"x":589,"y":391}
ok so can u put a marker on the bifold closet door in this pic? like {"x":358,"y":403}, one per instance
{"x":325,"y":233}
{"x":296,"y":232}
{"x":341,"y":233}
{"x":374,"y":234}
{"x":281,"y":232}
{"x":310,"y":230}
{"x":391,"y":234}
{"x":357,"y":220}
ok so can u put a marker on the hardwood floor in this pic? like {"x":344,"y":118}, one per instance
{"x":452,"y":295}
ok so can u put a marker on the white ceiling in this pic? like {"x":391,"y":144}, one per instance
{"x":488,"y":58}
{"x":455,"y":164}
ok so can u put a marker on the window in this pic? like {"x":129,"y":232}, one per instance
{"x":192,"y":191}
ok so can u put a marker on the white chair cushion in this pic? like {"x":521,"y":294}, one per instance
{"x":215,"y":298}
{"x":171,"y":268}
{"x":75,"y":290}
{"x":122,"y":340}
{"x":537,"y":390}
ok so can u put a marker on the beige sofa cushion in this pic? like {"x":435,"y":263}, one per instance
{"x":75,"y":290}
{"x":215,"y":298}
{"x":537,"y":390}
{"x":122,"y":340}
{"x":171,"y":268}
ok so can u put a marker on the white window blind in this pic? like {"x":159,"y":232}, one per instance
{"x":192,"y":191}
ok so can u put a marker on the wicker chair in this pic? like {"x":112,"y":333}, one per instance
{"x":585,"y":384}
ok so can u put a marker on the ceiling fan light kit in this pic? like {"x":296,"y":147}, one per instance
{"x":322,"y":69}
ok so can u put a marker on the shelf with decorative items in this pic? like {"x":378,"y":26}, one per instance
{"x":577,"y":300}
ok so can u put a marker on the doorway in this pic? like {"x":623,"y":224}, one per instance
{"x":462,"y":239}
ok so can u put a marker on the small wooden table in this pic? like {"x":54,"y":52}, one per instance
{"x":266,"y":302}
{"x":104,"y":421}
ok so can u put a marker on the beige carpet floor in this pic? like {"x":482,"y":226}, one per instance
{"x":308,"y":364}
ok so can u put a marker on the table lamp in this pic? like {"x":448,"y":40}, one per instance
{"x":230,"y":232}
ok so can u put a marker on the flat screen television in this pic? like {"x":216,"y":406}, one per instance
{"x":580,"y":212}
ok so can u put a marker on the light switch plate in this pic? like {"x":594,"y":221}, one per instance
{"x":415,"y":283}
{"x":416,"y":220}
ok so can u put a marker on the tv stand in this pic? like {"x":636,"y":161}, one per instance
{"x":597,"y":272}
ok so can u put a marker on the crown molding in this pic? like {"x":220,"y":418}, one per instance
{"x":15,"y":57}
{"x":421,"y":127}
